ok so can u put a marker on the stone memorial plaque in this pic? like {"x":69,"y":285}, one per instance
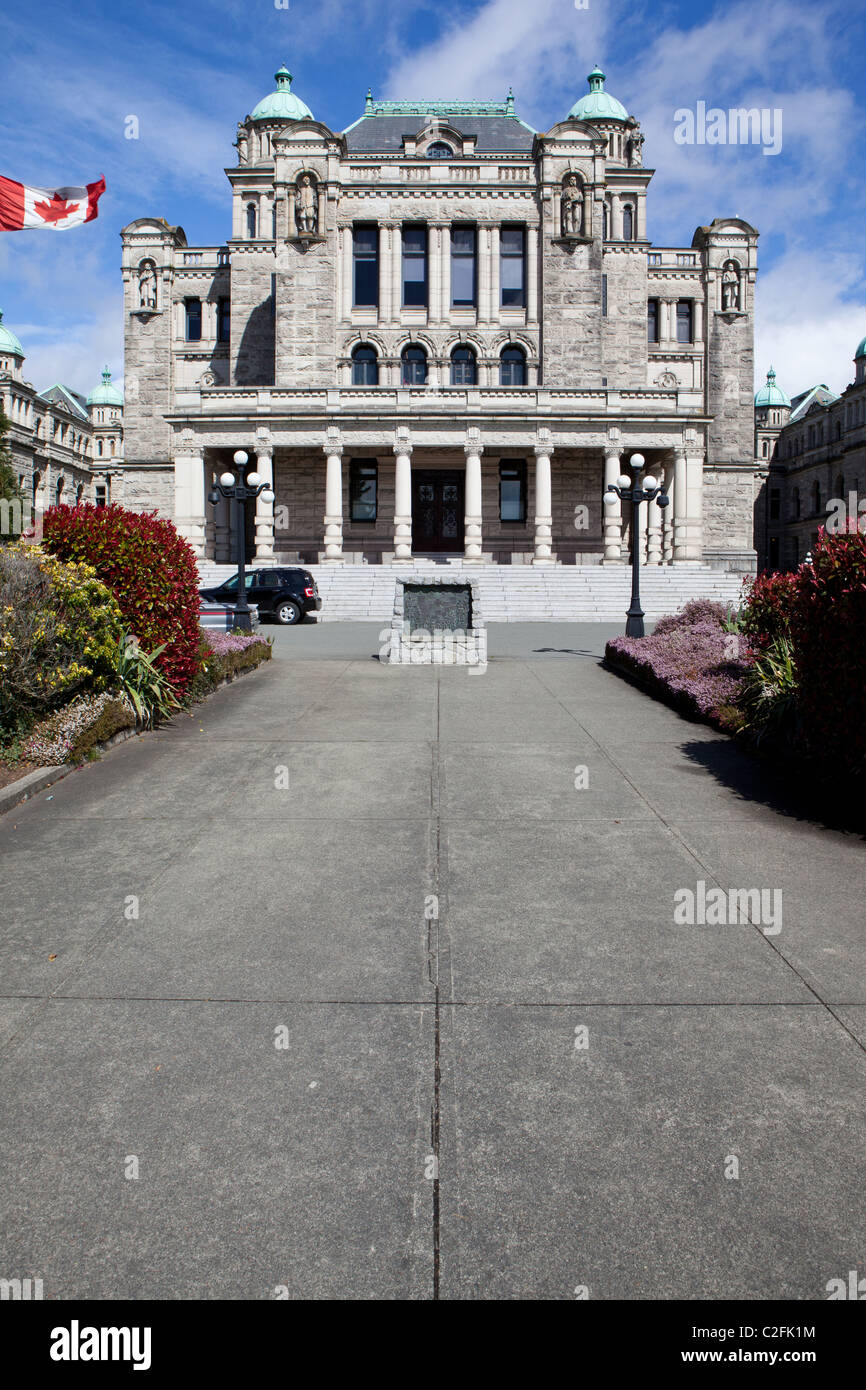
{"x":438,"y":607}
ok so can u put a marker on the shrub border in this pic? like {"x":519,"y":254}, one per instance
{"x":42,"y":778}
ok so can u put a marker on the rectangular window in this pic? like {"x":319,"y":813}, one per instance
{"x":363,"y":490}
{"x":604,"y":296}
{"x":652,"y":321}
{"x":415,"y":266}
{"x":512,"y":490}
{"x":224,"y":319}
{"x":101,"y":495}
{"x":512,"y":267}
{"x":463,"y":266}
{"x":685,"y":333}
{"x":365,"y":241}
{"x":193,"y":320}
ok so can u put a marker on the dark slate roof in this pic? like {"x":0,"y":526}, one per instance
{"x":494,"y":134}
{"x":816,"y":396}
{"x":65,"y":396}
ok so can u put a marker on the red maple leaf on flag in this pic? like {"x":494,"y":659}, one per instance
{"x":56,"y":210}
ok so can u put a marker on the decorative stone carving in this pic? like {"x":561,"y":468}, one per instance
{"x":147,"y":285}
{"x":730,"y":288}
{"x":208,"y":378}
{"x":635,"y":151}
{"x":242,"y":144}
{"x":667,"y":381}
{"x":572,"y":206}
{"x":306,"y":207}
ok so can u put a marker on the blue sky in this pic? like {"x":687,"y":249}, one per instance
{"x":190,"y":71}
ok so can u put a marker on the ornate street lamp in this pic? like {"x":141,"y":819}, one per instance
{"x":630,"y":491}
{"x":240,"y":490}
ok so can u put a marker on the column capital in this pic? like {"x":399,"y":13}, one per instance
{"x":333,"y":448}
{"x":473,"y":447}
{"x":403,"y":446}
{"x":542,"y":448}
{"x":264,"y":451}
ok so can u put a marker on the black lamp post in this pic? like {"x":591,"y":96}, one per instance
{"x":629,"y":491}
{"x":239,"y":490}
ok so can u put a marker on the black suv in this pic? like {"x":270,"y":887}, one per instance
{"x":285,"y":594}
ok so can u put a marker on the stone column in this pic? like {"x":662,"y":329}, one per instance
{"x":403,"y":498}
{"x":348,"y":289}
{"x":334,"y":501}
{"x":698,"y":326}
{"x":495,"y":294}
{"x":385,"y":273}
{"x":543,"y":504}
{"x":222,"y":532}
{"x":688,"y":529}
{"x":473,"y":514}
{"x":434,"y":272}
{"x":189,"y":514}
{"x":445,"y":241}
{"x":396,"y":272}
{"x":483,"y":274}
{"x":654,"y":532}
{"x":612,"y":512}
{"x":265,"y":510}
{"x":532,"y":274}
{"x":668,"y":524}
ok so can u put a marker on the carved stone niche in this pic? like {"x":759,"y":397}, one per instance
{"x":306,"y":207}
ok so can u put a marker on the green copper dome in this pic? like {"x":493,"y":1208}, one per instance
{"x":771,"y":394}
{"x":282,"y":105}
{"x":106,"y":394}
{"x":597,"y":104}
{"x":8,"y":341}
{"x":861,"y":347}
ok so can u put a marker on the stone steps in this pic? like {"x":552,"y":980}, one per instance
{"x":561,"y":593}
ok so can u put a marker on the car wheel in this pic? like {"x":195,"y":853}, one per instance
{"x":287,"y":613}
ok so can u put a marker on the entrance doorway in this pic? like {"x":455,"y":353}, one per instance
{"x":437,"y":510}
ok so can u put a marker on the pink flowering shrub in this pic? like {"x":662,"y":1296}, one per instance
{"x":690,"y":661}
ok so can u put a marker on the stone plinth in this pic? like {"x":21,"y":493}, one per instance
{"x":413,"y":645}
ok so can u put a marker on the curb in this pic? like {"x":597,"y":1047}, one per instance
{"x":44,"y":777}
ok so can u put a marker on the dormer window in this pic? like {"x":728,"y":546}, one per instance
{"x":439,"y":150}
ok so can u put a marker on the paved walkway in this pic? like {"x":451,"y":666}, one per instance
{"x":286,"y":1035}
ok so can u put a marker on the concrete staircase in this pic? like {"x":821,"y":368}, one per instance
{"x":516,"y":593}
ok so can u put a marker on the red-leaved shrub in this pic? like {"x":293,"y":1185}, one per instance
{"x":767,"y":607}
{"x":828,"y":627}
{"x":148,"y":567}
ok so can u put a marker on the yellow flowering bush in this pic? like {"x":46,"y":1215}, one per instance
{"x":59,"y":632}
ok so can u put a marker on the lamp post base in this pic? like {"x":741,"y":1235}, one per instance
{"x":634,"y":623}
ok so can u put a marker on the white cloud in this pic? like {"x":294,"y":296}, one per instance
{"x":811,"y":314}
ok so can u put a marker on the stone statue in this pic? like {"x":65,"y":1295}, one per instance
{"x":306,"y":207}
{"x":572,"y":207}
{"x":730,"y":287}
{"x":635,"y":155}
{"x":147,"y":285}
{"x":242,"y":144}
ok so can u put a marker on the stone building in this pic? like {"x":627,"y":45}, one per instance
{"x":440,"y":332}
{"x":811,"y":451}
{"x":64,"y":448}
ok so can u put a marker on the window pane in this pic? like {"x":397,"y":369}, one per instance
{"x":463,"y":241}
{"x":512,"y":491}
{"x":363,"y":482}
{"x":512,"y":368}
{"x":653,"y":321}
{"x":366,"y":240}
{"x":365,"y":367}
{"x":366,"y":252}
{"x":464,"y":368}
{"x":414,"y":366}
{"x":193,"y":319}
{"x":512,"y":241}
{"x":684,"y":321}
{"x":414,"y":266}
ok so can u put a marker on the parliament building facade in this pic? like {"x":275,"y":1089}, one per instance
{"x":442,"y":333}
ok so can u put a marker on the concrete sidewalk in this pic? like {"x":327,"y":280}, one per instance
{"x":246,"y":988}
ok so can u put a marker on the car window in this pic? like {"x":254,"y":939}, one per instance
{"x":231,"y":584}
{"x":270,"y":579}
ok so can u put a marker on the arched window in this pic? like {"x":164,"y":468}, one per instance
{"x":414,"y":360}
{"x":764,"y":449}
{"x":365,"y":366}
{"x":99,"y":448}
{"x":464,"y":367}
{"x":512,"y":367}
{"x":604,"y":221}
{"x":439,"y":150}
{"x":274,"y":222}
{"x":251,"y":221}
{"x":628,"y":223}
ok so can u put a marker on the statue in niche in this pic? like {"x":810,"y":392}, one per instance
{"x":147,"y":285}
{"x":730,"y":287}
{"x":572,"y":207}
{"x":635,"y":151}
{"x":306,"y":207}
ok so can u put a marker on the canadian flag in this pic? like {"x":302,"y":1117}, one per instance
{"x":22,"y":207}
